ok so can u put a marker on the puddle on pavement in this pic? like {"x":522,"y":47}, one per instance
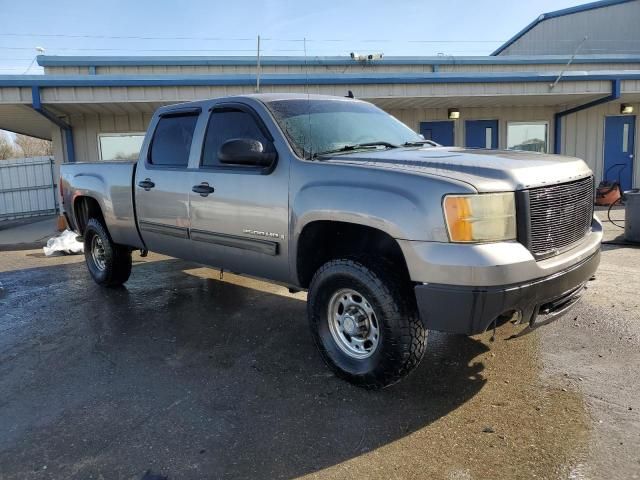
{"x":518,"y":425}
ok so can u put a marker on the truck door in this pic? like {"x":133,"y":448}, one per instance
{"x":163,"y":183}
{"x":239,"y":213}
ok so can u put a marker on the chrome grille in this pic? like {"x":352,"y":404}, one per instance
{"x":560,"y":215}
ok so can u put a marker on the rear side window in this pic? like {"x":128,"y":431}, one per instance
{"x":226,"y":124}
{"x":172,"y":141}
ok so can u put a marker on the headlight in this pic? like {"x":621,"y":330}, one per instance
{"x":484,"y":217}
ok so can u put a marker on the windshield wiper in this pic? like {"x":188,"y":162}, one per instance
{"x":417,"y":143}
{"x":349,"y":148}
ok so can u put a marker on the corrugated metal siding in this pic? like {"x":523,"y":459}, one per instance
{"x":413,"y":117}
{"x":87,"y":127}
{"x":233,"y":69}
{"x":27,"y":187}
{"x":70,"y":70}
{"x":15,"y":95}
{"x":612,"y":29}
{"x":583,"y":137}
{"x":330,"y":69}
{"x":187,"y":93}
{"x":540,"y":68}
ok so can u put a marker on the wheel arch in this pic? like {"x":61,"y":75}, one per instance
{"x":86,"y":207}
{"x":323,"y":240}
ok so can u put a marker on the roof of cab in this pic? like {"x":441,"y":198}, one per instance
{"x":262,"y":97}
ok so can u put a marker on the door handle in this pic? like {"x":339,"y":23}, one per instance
{"x":203,"y":189}
{"x":147,"y":184}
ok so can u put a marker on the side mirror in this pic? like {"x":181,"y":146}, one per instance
{"x":245,"y":151}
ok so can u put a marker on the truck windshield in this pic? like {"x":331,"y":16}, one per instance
{"x":317,"y":127}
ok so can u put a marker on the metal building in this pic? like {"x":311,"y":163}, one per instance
{"x":609,"y":26}
{"x":97,"y":108}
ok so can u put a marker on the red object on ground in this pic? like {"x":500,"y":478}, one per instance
{"x":607,"y":193}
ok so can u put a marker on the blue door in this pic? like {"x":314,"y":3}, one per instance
{"x":439,"y":132}
{"x":619,"y":136}
{"x":481,"y":133}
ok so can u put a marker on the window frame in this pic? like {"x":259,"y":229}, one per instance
{"x":119,"y":134}
{"x":249,"y":170}
{"x":179,"y":112}
{"x":532,"y":122}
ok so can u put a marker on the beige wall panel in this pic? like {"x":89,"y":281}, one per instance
{"x":15,"y":95}
{"x":333,"y":69}
{"x":413,"y":117}
{"x":583,"y":136}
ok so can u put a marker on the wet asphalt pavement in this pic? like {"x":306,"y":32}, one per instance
{"x":183,"y":375}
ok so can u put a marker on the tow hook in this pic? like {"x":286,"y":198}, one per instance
{"x":144,"y":252}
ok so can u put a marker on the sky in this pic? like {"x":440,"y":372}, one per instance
{"x":200,"y":27}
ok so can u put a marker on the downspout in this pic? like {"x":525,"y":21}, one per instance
{"x":557,"y":123}
{"x":36,"y":104}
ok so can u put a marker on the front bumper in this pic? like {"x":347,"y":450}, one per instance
{"x":470,"y":309}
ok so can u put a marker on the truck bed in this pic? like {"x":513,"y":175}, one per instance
{"x":111,"y":184}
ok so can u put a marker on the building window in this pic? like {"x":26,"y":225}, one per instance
{"x":123,"y":147}
{"x":528,"y":136}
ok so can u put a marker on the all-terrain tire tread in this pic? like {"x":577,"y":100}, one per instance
{"x":119,"y":257}
{"x":395,"y":290}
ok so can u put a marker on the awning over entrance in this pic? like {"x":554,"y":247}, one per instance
{"x":20,"y":118}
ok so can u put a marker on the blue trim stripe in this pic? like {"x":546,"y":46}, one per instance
{"x":68,"y":140}
{"x":93,"y":61}
{"x":67,"y":131}
{"x":301,"y":79}
{"x":556,"y":14}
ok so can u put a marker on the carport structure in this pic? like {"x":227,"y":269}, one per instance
{"x":81,"y":98}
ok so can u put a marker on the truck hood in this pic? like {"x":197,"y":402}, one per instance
{"x":485,"y":170}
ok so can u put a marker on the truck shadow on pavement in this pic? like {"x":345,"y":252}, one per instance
{"x":192,"y":377}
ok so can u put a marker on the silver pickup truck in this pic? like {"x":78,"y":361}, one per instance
{"x":391,"y":234}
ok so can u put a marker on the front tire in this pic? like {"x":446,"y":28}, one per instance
{"x":109,"y":264}
{"x":364,"y":321}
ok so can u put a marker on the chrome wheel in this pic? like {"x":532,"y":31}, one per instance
{"x":353,"y":324}
{"x":97,"y":253}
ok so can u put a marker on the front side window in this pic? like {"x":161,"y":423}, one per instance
{"x":120,"y":146}
{"x":528,"y":136}
{"x":172,"y":141}
{"x":314,"y":127}
{"x":226,"y":124}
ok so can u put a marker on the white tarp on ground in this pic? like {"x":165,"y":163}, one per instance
{"x":65,"y":243}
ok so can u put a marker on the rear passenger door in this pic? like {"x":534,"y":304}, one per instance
{"x":162,"y":185}
{"x":241,"y":224}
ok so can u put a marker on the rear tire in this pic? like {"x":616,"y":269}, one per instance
{"x":364,"y":321}
{"x":109,"y":264}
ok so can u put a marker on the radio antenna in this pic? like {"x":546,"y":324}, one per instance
{"x":258,"y":67}
{"x":575,"y":52}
